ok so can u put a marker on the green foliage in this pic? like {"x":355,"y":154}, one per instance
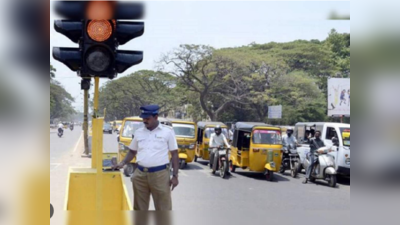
{"x":124,"y":96}
{"x":60,"y":99}
{"x":237,"y":84}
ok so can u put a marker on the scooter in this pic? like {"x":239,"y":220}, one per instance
{"x":222,"y":162}
{"x":290,"y":160}
{"x":71,"y":127}
{"x":60,"y":132}
{"x":324,"y":169}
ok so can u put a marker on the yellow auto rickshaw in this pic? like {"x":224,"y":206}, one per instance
{"x":128,"y":128}
{"x":204,"y":131}
{"x":257,"y":147}
{"x":186,"y":136}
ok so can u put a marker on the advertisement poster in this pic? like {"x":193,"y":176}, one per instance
{"x":339,"y":97}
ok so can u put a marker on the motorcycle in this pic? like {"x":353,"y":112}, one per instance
{"x":324,"y":169}
{"x":290,"y":160}
{"x":60,"y":132}
{"x":71,"y":127}
{"x":222,"y":162}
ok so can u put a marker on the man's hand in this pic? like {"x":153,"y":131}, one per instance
{"x":174,"y":183}
{"x":118,"y":166}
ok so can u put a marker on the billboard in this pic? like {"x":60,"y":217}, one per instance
{"x":339,"y":97}
{"x":275,"y":112}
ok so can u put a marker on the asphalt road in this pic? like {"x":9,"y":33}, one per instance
{"x":248,"y":190}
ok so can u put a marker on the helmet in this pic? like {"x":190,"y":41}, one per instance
{"x":218,"y":129}
{"x":289,"y":130}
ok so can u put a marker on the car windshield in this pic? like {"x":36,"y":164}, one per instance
{"x":345,"y":133}
{"x":268,"y":137}
{"x":106,"y":125}
{"x":210,"y":131}
{"x":184,"y":130}
{"x":130,"y":127}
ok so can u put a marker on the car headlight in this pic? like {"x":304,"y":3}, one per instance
{"x":191,"y":146}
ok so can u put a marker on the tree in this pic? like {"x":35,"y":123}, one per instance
{"x":60,"y":102}
{"x":201,"y":72}
{"x":52,"y":72}
{"x":124,"y":97}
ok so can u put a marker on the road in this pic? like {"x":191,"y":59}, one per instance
{"x":200,"y":189}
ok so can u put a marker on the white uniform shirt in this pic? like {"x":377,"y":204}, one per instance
{"x":153,"y":146}
{"x":286,"y":140}
{"x":218,"y":140}
{"x":60,"y":125}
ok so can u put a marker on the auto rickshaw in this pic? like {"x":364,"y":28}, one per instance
{"x":128,"y":128}
{"x":186,"y":136}
{"x":204,"y":131}
{"x":256,"y":146}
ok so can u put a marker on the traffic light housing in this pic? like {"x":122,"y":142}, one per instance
{"x":99,"y":39}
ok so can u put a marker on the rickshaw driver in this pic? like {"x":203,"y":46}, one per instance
{"x":217,"y":140}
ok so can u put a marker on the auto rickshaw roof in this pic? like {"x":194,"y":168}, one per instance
{"x":202,"y":125}
{"x":135,"y":118}
{"x":249,"y":126}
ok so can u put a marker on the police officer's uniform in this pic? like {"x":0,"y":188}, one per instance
{"x":152,"y":175}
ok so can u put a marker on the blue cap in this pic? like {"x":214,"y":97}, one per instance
{"x":149,"y":110}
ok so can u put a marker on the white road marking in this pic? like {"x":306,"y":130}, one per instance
{"x":79,"y":140}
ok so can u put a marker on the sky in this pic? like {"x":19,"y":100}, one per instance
{"x":218,"y":24}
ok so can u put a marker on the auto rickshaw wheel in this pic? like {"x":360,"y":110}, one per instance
{"x":232,"y":167}
{"x":299,"y":168}
{"x":269,"y":176}
{"x":182,"y":164}
{"x":195,"y":158}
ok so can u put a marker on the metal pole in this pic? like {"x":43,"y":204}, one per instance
{"x":96,"y":96}
{"x":85,"y":122}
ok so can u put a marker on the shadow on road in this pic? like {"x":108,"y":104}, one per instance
{"x":260,"y":176}
{"x":192,"y":166}
{"x":204,"y":163}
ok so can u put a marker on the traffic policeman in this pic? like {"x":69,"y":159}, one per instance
{"x":151,"y":145}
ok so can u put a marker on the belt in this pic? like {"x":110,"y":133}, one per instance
{"x":153,"y":169}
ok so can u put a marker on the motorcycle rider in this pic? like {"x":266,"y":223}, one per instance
{"x":217,"y":140}
{"x":60,"y":128}
{"x":315,"y":144}
{"x":289,"y":139}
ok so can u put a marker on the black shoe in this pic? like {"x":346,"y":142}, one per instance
{"x":305,"y":181}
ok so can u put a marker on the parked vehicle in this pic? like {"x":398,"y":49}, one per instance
{"x":328,"y":131}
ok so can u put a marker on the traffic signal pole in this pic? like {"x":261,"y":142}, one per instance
{"x":85,"y":122}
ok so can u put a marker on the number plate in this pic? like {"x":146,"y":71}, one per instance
{"x":221,"y":152}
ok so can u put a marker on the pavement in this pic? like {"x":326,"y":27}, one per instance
{"x":198,"y":188}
